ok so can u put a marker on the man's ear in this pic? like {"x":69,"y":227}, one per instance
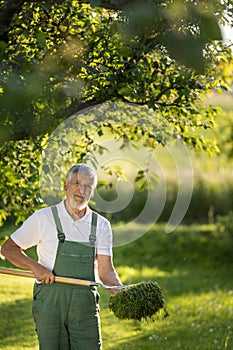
{"x":65,"y":185}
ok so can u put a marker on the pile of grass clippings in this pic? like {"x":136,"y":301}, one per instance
{"x":139,"y":301}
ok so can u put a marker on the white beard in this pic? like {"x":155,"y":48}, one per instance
{"x":76,"y":205}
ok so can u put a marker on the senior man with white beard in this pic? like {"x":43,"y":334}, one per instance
{"x":72,"y":241}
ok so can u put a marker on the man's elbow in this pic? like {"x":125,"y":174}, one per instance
{"x":5,"y":249}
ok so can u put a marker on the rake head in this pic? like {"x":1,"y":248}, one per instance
{"x":139,"y":301}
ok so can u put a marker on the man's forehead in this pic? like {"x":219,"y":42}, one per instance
{"x":83,"y":177}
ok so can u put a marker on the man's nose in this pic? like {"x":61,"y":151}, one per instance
{"x":82,"y":188}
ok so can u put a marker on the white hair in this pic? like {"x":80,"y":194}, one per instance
{"x":82,"y":169}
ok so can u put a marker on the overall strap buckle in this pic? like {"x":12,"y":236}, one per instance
{"x":92,"y":237}
{"x":60,"y":234}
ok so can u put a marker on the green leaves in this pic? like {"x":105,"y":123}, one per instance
{"x":209,"y":28}
{"x":62,"y":57}
{"x":124,"y":51}
{"x":186,"y":49}
{"x":3,"y":46}
{"x":41,"y":39}
{"x":20,"y":180}
{"x":68,"y":54}
{"x":145,"y":179}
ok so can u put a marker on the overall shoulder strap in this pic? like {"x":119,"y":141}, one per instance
{"x":92,"y":237}
{"x":60,"y":234}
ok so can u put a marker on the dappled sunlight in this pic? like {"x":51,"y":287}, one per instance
{"x":192,"y":266}
{"x":15,"y":288}
{"x":19,"y":329}
{"x":205,"y":318}
{"x":146,"y":273}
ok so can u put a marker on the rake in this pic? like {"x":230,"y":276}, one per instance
{"x":133,"y":302}
{"x":60,"y":279}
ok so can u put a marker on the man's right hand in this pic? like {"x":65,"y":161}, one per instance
{"x":42,"y":274}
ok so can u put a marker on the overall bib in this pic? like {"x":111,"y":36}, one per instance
{"x":67,"y":316}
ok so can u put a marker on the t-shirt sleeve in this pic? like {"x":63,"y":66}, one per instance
{"x":28,"y":235}
{"x":104,"y":241}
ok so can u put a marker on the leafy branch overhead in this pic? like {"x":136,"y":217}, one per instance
{"x":61,"y":58}
{"x":64,"y":57}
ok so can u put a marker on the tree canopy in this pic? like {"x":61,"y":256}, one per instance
{"x":59,"y":58}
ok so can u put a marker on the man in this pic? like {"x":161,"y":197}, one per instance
{"x":72,"y":241}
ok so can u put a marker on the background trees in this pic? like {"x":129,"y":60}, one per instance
{"x":57,"y":58}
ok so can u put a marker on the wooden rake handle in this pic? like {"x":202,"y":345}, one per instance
{"x":23,"y":273}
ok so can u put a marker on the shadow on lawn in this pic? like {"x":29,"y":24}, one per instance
{"x":194,"y":261}
{"x":189,"y":336}
{"x":17,"y":325}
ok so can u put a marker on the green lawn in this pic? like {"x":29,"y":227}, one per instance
{"x":193,"y":265}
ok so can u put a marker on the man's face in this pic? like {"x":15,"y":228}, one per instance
{"x":79,"y":190}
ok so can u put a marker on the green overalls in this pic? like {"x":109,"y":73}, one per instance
{"x":67,"y":316}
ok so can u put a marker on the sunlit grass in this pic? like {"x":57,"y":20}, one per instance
{"x":196,"y":322}
{"x":193,"y":266}
{"x":17,"y":327}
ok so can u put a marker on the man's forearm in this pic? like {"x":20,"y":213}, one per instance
{"x":16,"y":256}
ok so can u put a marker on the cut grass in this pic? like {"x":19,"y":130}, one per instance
{"x":193,"y":266}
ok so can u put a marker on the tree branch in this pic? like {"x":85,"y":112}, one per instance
{"x":42,"y":128}
{"x":11,"y":7}
{"x":7,"y":12}
{"x":111,"y":4}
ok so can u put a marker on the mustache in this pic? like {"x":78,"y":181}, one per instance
{"x":82,"y":195}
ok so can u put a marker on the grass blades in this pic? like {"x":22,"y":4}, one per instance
{"x":194,"y":267}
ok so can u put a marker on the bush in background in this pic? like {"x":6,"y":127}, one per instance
{"x":224,"y":224}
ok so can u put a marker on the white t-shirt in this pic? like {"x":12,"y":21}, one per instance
{"x":40,"y":230}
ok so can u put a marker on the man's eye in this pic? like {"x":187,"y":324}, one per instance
{"x":88,"y":187}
